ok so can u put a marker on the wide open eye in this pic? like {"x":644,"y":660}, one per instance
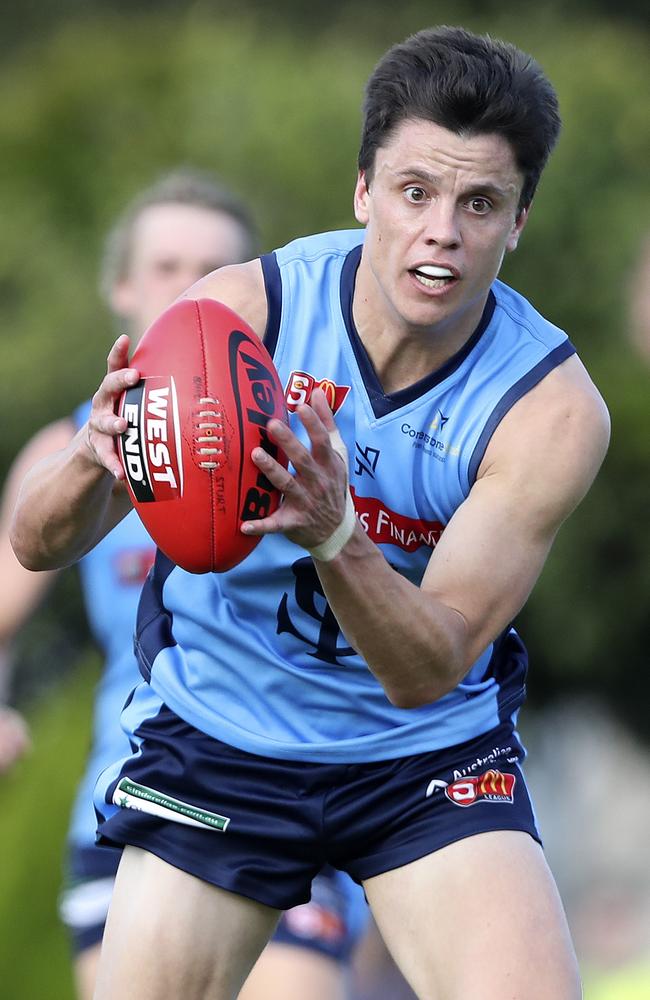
{"x":479,"y":205}
{"x":415,"y":194}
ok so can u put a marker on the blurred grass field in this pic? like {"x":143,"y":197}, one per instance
{"x":35,"y":801}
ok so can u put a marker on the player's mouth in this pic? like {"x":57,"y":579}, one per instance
{"x":434,"y":276}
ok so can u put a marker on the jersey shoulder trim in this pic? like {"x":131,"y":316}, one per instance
{"x":509,"y":398}
{"x":273,"y":287}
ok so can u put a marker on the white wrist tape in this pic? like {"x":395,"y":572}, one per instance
{"x":333,"y":545}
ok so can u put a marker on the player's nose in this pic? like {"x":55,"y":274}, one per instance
{"x":442,"y":224}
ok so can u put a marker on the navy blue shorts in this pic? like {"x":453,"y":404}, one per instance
{"x":264,"y":828}
{"x":331,"y":923}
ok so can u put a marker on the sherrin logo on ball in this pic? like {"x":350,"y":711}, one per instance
{"x":258,"y":498}
{"x":207,"y":390}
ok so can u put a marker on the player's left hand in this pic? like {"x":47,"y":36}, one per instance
{"x":314,"y":498}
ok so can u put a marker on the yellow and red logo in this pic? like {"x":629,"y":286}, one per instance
{"x":301,"y":385}
{"x":492,"y":786}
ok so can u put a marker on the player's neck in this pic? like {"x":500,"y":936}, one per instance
{"x":403,"y":353}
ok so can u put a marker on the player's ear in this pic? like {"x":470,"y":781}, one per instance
{"x":517,"y":228}
{"x":361,"y":195}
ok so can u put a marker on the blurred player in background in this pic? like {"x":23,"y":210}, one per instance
{"x":14,"y":731}
{"x":182,"y":228}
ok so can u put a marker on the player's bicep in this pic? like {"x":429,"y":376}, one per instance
{"x":487,"y":562}
{"x":538,"y":467}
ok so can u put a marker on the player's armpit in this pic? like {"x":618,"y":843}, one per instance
{"x":539,"y":465}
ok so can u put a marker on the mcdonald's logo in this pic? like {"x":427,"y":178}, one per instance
{"x":491,"y":786}
{"x":329,"y":388}
{"x":301,"y":385}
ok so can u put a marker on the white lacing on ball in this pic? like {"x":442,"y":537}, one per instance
{"x":211,"y":439}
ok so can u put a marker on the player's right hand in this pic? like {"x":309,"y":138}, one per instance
{"x":103,"y":423}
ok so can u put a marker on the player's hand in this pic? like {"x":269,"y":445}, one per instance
{"x":314,"y":499}
{"x":103,"y":423}
{"x":14,"y":737}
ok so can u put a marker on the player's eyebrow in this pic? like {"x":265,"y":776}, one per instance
{"x":475,"y":187}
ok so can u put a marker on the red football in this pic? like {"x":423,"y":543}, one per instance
{"x":207,"y":390}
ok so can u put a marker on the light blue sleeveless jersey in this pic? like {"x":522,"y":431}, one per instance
{"x":254,"y":656}
{"x":112,"y":575}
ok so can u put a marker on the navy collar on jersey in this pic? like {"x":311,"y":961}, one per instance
{"x":381,"y":402}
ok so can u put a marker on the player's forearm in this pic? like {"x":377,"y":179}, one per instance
{"x":414,"y":645}
{"x":62,"y":509}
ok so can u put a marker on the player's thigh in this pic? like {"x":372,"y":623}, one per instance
{"x":309,"y":955}
{"x":480,"y":918}
{"x":291,"y":972}
{"x":169,"y":934}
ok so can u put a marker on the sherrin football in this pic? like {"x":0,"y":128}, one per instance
{"x":208,"y":387}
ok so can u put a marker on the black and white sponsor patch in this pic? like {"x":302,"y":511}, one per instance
{"x":150,"y":447}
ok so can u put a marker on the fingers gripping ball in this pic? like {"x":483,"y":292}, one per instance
{"x":207,"y":390}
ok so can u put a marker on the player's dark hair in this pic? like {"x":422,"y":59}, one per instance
{"x":183,"y":186}
{"x":469,"y":84}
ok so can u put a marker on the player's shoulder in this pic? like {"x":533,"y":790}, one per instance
{"x":337,"y":243}
{"x":239,"y":286}
{"x":516,"y":309}
{"x":243,"y":287}
{"x":565,"y":401}
{"x":554,"y":438}
{"x":568,"y":394}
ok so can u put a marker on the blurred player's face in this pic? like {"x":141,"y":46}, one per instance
{"x":173,"y":245}
{"x":440,"y":213}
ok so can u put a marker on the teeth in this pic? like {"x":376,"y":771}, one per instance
{"x":431,"y":271}
{"x":431,"y":276}
{"x":431,"y":282}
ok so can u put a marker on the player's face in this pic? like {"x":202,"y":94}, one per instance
{"x":173,"y":245}
{"x":440,"y":213}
